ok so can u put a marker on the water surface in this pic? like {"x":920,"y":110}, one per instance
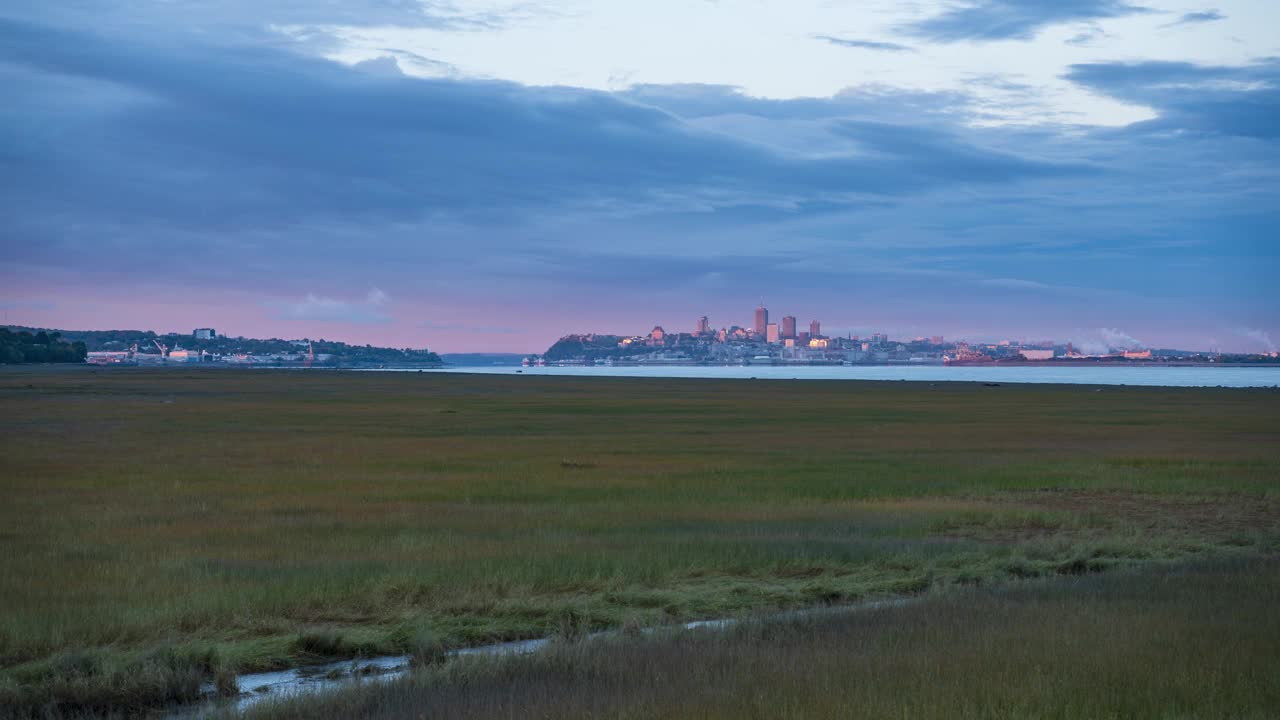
{"x":1148,"y":375}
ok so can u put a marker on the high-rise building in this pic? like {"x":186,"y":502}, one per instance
{"x":771,"y":333}
{"x":704,"y":327}
{"x":815,"y":329}
{"x":789,"y":326}
{"x":204,"y":333}
{"x":762,"y":320}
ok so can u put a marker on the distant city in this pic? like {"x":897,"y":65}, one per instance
{"x":203,"y":346}
{"x":765,"y":342}
{"x":774,"y":343}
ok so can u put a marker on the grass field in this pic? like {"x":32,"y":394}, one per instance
{"x":160,"y":528}
{"x":1190,"y":642}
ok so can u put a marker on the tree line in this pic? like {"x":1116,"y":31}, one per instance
{"x":39,"y":347}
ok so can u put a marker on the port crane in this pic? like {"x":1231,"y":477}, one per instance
{"x":164,"y":349}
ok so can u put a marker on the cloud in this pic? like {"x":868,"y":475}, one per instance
{"x":385,"y":65}
{"x":1234,"y":100}
{"x":264,"y":13}
{"x":1090,"y":33}
{"x":864,"y":44}
{"x":1197,"y":18}
{"x":230,"y":165}
{"x":992,"y":20}
{"x":314,"y":308}
{"x":245,"y":137}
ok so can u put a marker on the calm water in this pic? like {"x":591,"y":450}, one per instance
{"x":1226,"y":376}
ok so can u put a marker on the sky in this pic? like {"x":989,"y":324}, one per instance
{"x":488,"y":176}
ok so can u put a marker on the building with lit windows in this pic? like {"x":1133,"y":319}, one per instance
{"x":762,"y":321}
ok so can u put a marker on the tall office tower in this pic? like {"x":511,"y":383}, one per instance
{"x":815,"y":329}
{"x":704,"y":327}
{"x":771,"y":333}
{"x":789,"y":326}
{"x":762,"y":320}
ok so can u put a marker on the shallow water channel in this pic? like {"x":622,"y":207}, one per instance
{"x":255,"y":688}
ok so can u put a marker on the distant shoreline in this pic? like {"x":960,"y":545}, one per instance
{"x":586,"y":365}
{"x":907,"y":363}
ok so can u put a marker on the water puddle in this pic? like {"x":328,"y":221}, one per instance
{"x":255,"y":688}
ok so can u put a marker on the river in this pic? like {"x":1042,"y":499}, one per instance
{"x":1236,"y":376}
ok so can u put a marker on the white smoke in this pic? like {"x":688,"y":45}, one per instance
{"x":1103,"y":341}
{"x":1119,"y":340}
{"x":1262,"y":337}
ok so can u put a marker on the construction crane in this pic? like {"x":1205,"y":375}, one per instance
{"x":164,"y":349}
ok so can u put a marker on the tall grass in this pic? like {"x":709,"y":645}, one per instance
{"x":279,"y":517}
{"x":1196,"y":642}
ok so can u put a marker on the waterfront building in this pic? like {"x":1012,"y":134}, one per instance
{"x":789,"y":327}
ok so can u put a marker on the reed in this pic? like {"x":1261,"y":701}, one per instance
{"x":1195,"y":641}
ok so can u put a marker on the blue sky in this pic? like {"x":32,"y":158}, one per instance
{"x":489,"y":175}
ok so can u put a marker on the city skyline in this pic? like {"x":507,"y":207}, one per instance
{"x":788,"y":327}
{"x":482,"y":176}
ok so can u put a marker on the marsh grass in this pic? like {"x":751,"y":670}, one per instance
{"x":426,"y":649}
{"x":94,"y":681}
{"x":277,"y":518}
{"x":1183,"y":642}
